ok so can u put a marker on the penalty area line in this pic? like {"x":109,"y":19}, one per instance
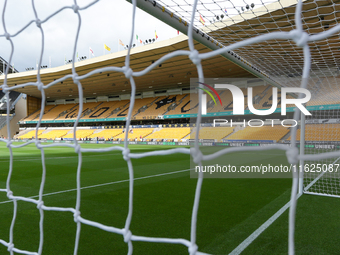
{"x":242,"y":246}
{"x":105,"y":184}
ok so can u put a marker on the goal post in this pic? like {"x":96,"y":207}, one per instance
{"x":321,"y":133}
{"x":302,"y":152}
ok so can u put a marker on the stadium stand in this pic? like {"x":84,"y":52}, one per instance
{"x":262,"y":97}
{"x":120,"y":110}
{"x":320,"y":132}
{"x":150,"y":108}
{"x":101,"y":110}
{"x":216,"y":133}
{"x":30,"y":134}
{"x":53,"y":134}
{"x":35,"y":115}
{"x":227,"y":101}
{"x":176,"y":108}
{"x":328,"y":95}
{"x":67,"y":112}
{"x":72,"y":113}
{"x":264,"y":133}
{"x":170,"y":133}
{"x":160,"y":106}
{"x":136,"y":133}
{"x":141,"y":106}
{"x":51,"y":113}
{"x":81,"y":133}
{"x":188,"y":105}
{"x":261,"y":100}
{"x":106,"y":133}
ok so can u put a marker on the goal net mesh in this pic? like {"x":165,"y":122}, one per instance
{"x":288,"y":44}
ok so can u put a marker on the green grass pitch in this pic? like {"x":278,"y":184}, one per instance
{"x":230,"y":209}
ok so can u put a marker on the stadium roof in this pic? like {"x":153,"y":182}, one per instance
{"x":284,"y":57}
{"x":174,"y":73}
{"x":278,"y":61}
{"x":3,"y":66}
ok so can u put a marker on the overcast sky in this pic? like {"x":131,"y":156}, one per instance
{"x":106,"y":22}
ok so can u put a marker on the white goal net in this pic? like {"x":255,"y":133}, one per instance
{"x":285,"y":43}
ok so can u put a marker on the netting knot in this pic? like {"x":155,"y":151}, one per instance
{"x":40,"y":204}
{"x":10,"y":194}
{"x":75,"y":78}
{"x":76,"y":216}
{"x":38,"y":23}
{"x":8,"y":143}
{"x":126,"y":153}
{"x":10,"y":247}
{"x":127,"y":236}
{"x":197,"y":156}
{"x":7,"y":35}
{"x":194,"y":56}
{"x":292,"y":155}
{"x":128,"y":72}
{"x":77,"y":148}
{"x":300,"y":38}
{"x":37,"y":144}
{"x":75,"y":8}
{"x":193,"y":249}
{"x":5,"y":88}
{"x":40,"y":86}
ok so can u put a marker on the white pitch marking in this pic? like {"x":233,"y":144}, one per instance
{"x":104,"y":184}
{"x":240,"y":248}
{"x":39,"y":158}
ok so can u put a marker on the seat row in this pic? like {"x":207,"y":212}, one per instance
{"x":314,"y":132}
